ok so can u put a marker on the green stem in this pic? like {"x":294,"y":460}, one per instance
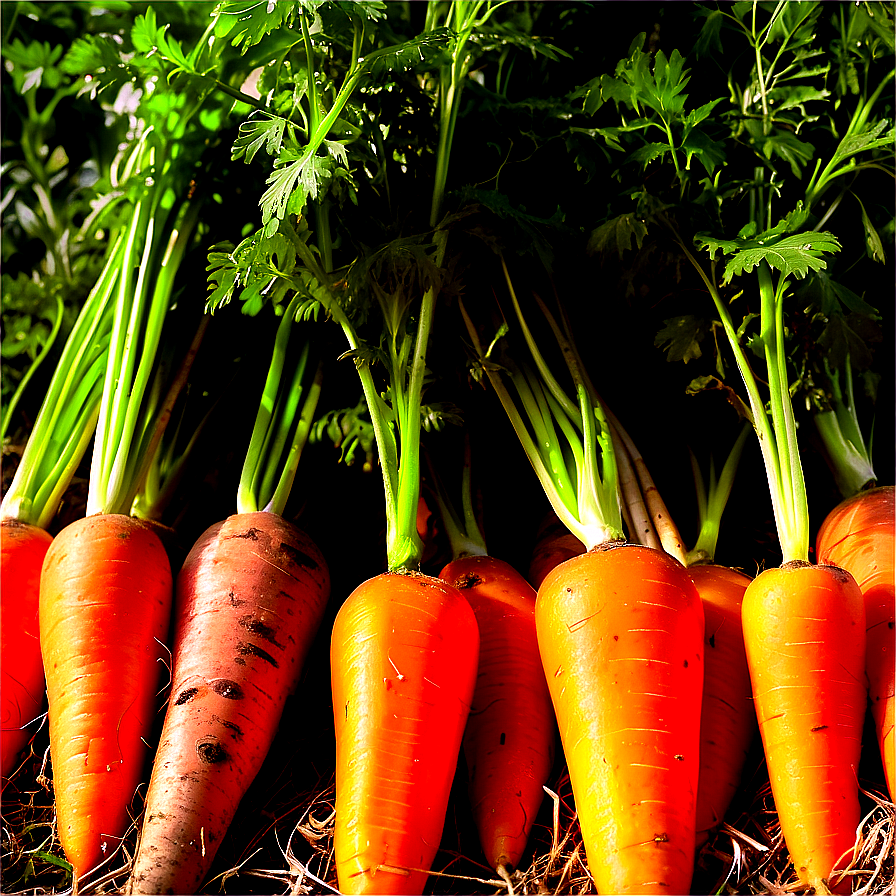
{"x":711,"y":501}
{"x":33,"y":367}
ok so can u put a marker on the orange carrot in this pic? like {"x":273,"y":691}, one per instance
{"x":728,"y":720}
{"x":250,"y":598}
{"x":859,"y":535}
{"x":22,"y":551}
{"x":403,"y":657}
{"x":804,"y":630}
{"x":554,"y":543}
{"x":620,"y":631}
{"x":105,"y":604}
{"x":509,"y":738}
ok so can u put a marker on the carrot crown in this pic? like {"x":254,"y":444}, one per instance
{"x":566,"y":439}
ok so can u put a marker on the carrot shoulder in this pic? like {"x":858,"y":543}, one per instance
{"x":620,"y":632}
{"x":509,"y":738}
{"x":250,"y":598}
{"x":105,"y":605}
{"x":22,"y":551}
{"x":404,"y":654}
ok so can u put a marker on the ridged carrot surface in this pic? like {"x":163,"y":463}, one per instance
{"x":249,"y":600}
{"x":859,"y":535}
{"x":22,"y":551}
{"x":509,"y":738}
{"x":804,"y":631}
{"x":105,"y":606}
{"x":404,"y":655}
{"x":620,"y":632}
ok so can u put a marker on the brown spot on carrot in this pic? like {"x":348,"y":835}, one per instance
{"x":262,"y":629}
{"x":615,"y":637}
{"x":891,"y":624}
{"x":685,"y":664}
{"x":503,"y":738}
{"x":299,"y":558}
{"x":211,"y":752}
{"x":679,"y":757}
{"x":251,"y":533}
{"x":468,"y":580}
{"x":712,"y":640}
{"x":186,"y":696}
{"x":254,"y":650}
{"x":661,"y":838}
{"x":234,"y":600}
{"x":227,"y":689}
{"x":819,"y":728}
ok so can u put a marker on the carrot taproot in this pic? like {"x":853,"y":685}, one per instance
{"x":403,"y":657}
{"x":620,"y":631}
{"x":509,"y":738}
{"x":859,"y":535}
{"x":105,"y":605}
{"x":728,"y":720}
{"x":22,"y":551}
{"x":804,"y":632}
{"x":249,"y":600}
{"x":554,"y":543}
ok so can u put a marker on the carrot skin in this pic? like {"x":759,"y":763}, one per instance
{"x":249,"y":600}
{"x":859,"y":535}
{"x":554,"y":544}
{"x":105,"y":606}
{"x":510,"y":734}
{"x":728,"y":719}
{"x":620,"y":632}
{"x":804,"y":632}
{"x":404,"y":655}
{"x":22,"y":551}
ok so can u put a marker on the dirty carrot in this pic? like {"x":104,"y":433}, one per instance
{"x":249,"y":600}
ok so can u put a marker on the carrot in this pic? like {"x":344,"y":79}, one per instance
{"x":106,"y":584}
{"x":728,"y":720}
{"x":250,"y":598}
{"x":105,"y":601}
{"x":22,"y":551}
{"x":804,"y":630}
{"x":804,"y":625}
{"x":509,"y":739}
{"x":620,"y":631}
{"x":858,"y":535}
{"x":404,"y":652}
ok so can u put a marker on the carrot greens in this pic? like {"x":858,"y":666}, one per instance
{"x":567,"y":440}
